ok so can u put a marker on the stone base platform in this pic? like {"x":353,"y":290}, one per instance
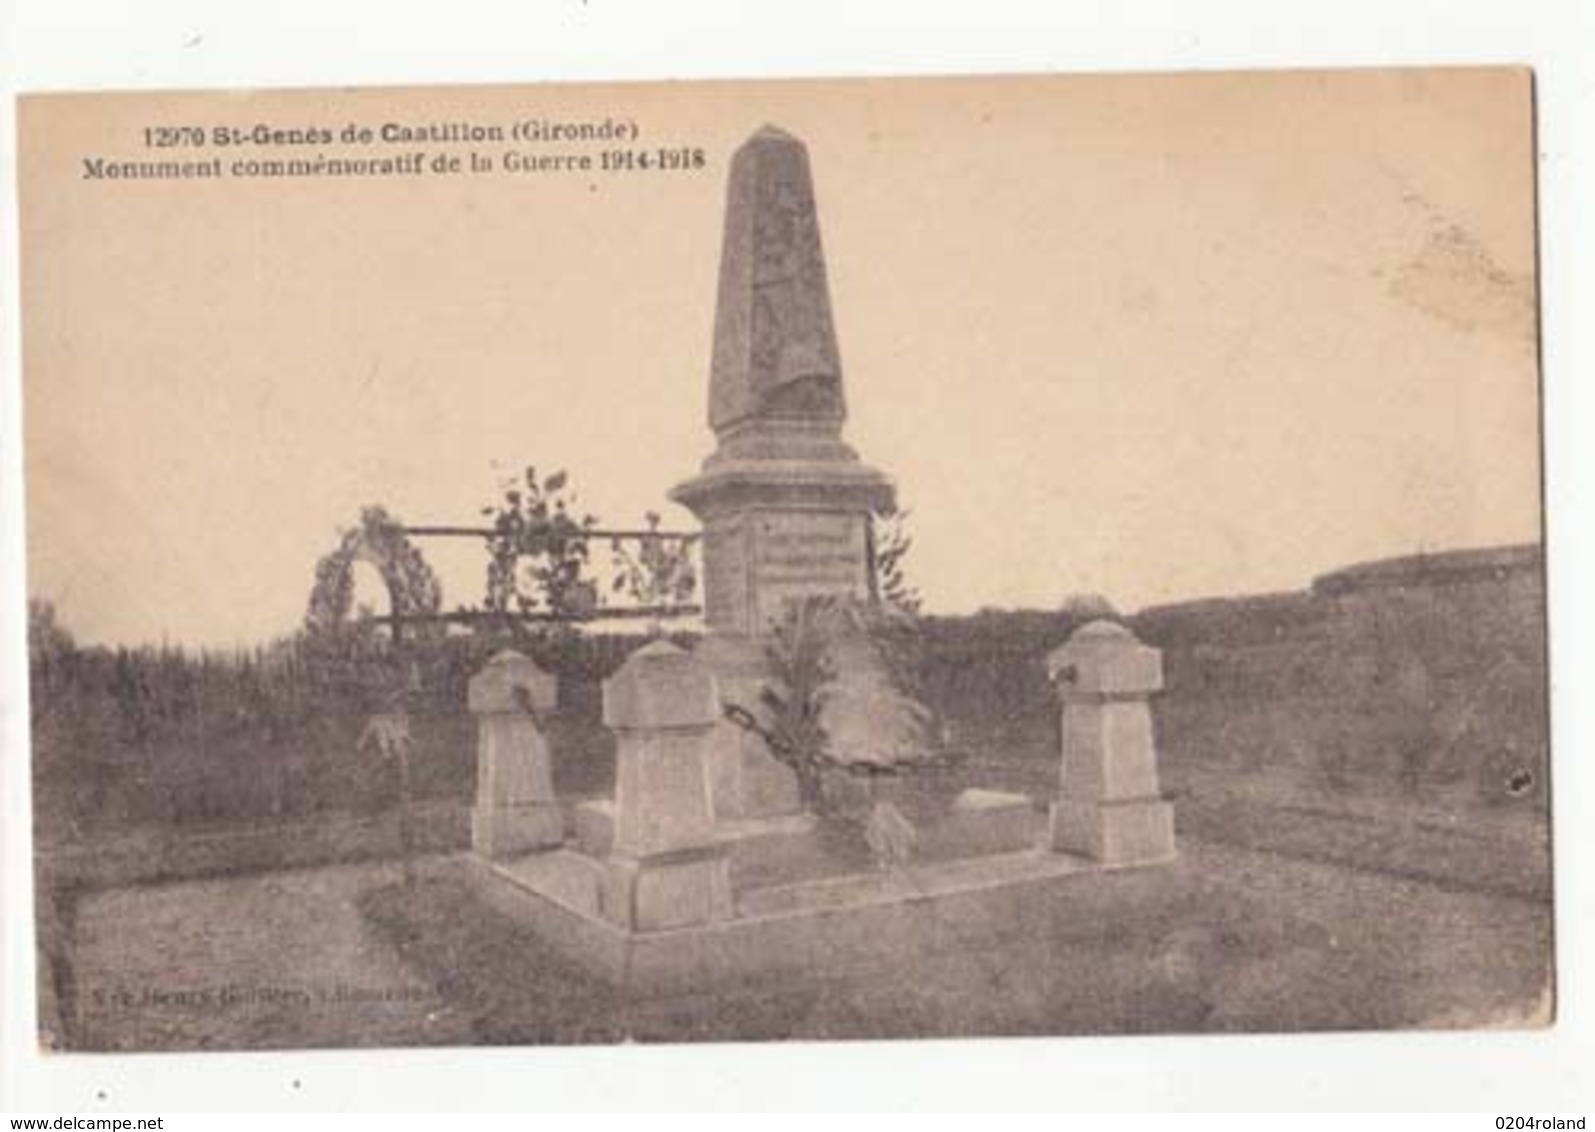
{"x":777,"y":850}
{"x":591,"y":824}
{"x":784,"y":930}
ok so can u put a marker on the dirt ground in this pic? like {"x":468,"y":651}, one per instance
{"x":1228,"y":939}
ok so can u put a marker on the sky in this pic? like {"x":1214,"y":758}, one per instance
{"x":1157,"y":337}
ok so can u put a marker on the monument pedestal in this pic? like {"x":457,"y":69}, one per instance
{"x":1109,"y":808}
{"x":1128,"y":832}
{"x":664,"y":868}
{"x":516,"y":810}
{"x":786,"y":515}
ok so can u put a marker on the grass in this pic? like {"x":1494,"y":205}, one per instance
{"x":1227,"y":940}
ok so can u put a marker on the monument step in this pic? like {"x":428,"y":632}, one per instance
{"x":768,"y":852}
{"x":564,"y":876}
{"x":943,"y":878}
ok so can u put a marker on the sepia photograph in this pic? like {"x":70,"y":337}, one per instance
{"x":748,"y":561}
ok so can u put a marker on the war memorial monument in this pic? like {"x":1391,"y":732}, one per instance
{"x":649,"y":886}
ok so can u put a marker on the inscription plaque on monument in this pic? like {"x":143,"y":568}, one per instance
{"x":807,"y":555}
{"x":757,"y":564}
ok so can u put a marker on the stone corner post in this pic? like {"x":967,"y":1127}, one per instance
{"x":665,"y":867}
{"x":1109,"y":808}
{"x":516,"y":811}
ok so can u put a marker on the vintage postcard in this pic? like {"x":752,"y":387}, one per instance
{"x":785,"y":560}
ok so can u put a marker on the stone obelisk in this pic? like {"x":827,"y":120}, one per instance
{"x":785,"y":504}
